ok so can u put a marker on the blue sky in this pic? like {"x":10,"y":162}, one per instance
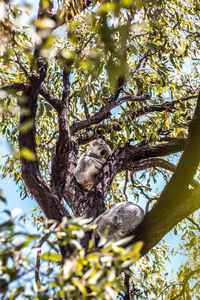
{"x":11,"y":191}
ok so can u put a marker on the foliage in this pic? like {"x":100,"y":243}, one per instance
{"x":93,"y":273}
{"x":90,"y":273}
{"x":111,"y":51}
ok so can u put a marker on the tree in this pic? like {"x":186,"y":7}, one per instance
{"x":125,"y":71}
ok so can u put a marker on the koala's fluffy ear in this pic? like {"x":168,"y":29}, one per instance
{"x":98,"y":142}
{"x":95,"y":143}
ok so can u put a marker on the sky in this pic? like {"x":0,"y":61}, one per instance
{"x":11,"y":191}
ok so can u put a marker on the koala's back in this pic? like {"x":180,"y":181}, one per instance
{"x":91,"y":162}
{"x":86,"y":170}
{"x":120,"y":220}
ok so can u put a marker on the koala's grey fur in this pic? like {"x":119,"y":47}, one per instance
{"x":91,"y":162}
{"x":119,"y":221}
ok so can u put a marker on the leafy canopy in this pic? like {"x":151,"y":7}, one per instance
{"x":153,"y":47}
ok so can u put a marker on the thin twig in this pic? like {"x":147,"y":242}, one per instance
{"x":39,"y":245}
{"x":154,"y":198}
{"x":125,"y":185}
{"x":127,"y":286}
{"x":86,"y":111}
{"x":44,"y":145}
{"x":85,"y":45}
{"x":193,"y":222}
{"x":21,"y":65}
{"x":185,"y":281}
{"x":4,"y":285}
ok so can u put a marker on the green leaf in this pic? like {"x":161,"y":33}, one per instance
{"x":51,"y":256}
{"x":25,"y":127}
{"x":27,"y":154}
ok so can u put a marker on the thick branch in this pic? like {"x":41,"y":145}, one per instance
{"x":55,"y":103}
{"x":188,"y":163}
{"x":162,"y":218}
{"x":66,"y":85}
{"x":51,"y":205}
{"x":60,"y":161}
{"x":129,"y":157}
{"x":130,"y":154}
{"x":152,"y":163}
{"x":15,"y":87}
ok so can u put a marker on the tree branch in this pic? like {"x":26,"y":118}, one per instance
{"x":104,"y":112}
{"x":15,"y":87}
{"x":55,"y":103}
{"x":167,"y":106}
{"x":151,"y":163}
{"x":60,"y":161}
{"x":127,"y":287}
{"x":176,"y":201}
{"x":189,"y":161}
{"x":128,"y":157}
{"x":125,"y":186}
{"x":66,"y":84}
{"x":51,"y":205}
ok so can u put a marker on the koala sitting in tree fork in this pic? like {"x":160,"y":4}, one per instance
{"x":91,"y":162}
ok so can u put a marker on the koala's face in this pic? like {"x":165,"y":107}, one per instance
{"x":100,"y":148}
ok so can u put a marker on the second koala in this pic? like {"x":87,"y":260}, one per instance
{"x":91,"y":162}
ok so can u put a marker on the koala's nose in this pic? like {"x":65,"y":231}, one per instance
{"x":103,"y":152}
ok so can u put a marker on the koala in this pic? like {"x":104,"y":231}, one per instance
{"x":91,"y":162}
{"x":119,"y":221}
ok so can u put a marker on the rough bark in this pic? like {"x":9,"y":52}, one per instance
{"x":40,"y":190}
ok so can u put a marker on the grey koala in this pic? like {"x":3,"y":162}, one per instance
{"x":119,"y":221}
{"x":91,"y":162}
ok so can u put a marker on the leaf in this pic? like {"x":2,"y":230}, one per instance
{"x":25,"y":127}
{"x":45,"y":23}
{"x":2,"y":198}
{"x":127,"y":132}
{"x":40,"y":112}
{"x":27,"y":154}
{"x":48,"y":110}
{"x":52,"y":257}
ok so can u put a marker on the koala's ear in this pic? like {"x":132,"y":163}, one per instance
{"x":95,"y":143}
